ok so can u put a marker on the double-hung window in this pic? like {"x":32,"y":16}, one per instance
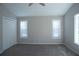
{"x":56,"y":28}
{"x":23,"y":29}
{"x":76,"y":29}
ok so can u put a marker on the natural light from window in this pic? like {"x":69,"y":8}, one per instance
{"x":56,"y":29}
{"x":23,"y":29}
{"x":76,"y":29}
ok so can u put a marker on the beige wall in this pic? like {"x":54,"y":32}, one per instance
{"x":0,"y":34}
{"x":6,"y":12}
{"x":69,"y":28}
{"x":40,"y":30}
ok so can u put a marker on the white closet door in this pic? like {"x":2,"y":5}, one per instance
{"x":9,"y":32}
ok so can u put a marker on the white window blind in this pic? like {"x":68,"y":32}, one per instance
{"x":23,"y":29}
{"x":76,"y":29}
{"x":56,"y":29}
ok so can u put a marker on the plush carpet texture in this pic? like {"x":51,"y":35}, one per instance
{"x":38,"y":50}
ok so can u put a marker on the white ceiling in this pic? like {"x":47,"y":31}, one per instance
{"x":51,"y":9}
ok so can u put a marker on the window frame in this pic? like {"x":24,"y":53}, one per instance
{"x":61,"y":29}
{"x":76,"y":15}
{"x":20,"y":29}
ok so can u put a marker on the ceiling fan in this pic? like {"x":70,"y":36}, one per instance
{"x":30,"y":4}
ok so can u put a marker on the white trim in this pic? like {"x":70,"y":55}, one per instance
{"x":39,"y":43}
{"x":71,"y":49}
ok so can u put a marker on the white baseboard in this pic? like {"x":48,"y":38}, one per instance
{"x":39,"y":43}
{"x":72,"y":49}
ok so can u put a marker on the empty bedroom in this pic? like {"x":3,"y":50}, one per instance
{"x":39,"y":29}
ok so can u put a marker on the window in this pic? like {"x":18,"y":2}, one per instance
{"x":76,"y":29}
{"x":23,"y":29}
{"x":56,"y":29}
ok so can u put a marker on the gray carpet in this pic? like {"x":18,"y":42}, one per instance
{"x":38,"y":50}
